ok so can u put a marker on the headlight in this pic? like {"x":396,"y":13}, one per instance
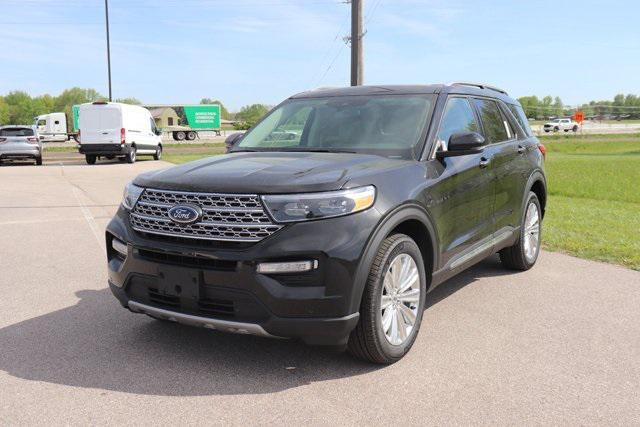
{"x":302,"y":207}
{"x":131,"y":195}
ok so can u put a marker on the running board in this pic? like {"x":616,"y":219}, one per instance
{"x":463,"y":258}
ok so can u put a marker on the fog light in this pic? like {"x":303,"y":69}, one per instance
{"x":286,"y":267}
{"x":119,"y":247}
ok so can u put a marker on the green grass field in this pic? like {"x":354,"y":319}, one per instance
{"x":594,"y":202}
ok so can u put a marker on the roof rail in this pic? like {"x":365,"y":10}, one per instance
{"x":479,"y":85}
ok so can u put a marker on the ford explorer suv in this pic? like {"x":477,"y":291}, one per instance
{"x":333,"y":217}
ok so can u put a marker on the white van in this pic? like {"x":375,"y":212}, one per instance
{"x":52,"y":127}
{"x":110,"y":129}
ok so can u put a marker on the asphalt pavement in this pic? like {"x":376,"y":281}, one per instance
{"x":559,"y":344}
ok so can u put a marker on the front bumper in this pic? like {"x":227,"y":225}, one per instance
{"x":218,"y":287}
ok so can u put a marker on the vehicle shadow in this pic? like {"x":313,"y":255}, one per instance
{"x":97,"y":344}
{"x":490,"y":267}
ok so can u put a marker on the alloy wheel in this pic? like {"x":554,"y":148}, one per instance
{"x":400,"y":298}
{"x":531,"y":232}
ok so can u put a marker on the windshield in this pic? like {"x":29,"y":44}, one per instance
{"x":388,"y":125}
{"x":16,"y":132}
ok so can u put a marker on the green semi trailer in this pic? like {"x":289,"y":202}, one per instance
{"x":191,"y":119}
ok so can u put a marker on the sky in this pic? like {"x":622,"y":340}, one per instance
{"x":248,"y":51}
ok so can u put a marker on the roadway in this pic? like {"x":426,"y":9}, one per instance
{"x":559,"y":344}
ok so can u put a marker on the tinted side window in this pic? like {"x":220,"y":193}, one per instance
{"x":518,"y":113}
{"x":492,"y":121}
{"x":457,"y":117}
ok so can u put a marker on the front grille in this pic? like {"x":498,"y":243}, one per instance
{"x":187,"y":261}
{"x":226,"y":217}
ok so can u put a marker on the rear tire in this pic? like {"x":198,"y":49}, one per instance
{"x":518,"y":257}
{"x":575,"y":128}
{"x":179,"y":136}
{"x":158,"y":153}
{"x":131,"y":155}
{"x":371,"y":340}
{"x":91,"y":159}
{"x":191,"y":136}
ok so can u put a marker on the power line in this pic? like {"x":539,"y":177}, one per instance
{"x":327,"y":54}
{"x":372,"y":11}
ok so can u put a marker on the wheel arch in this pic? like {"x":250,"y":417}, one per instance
{"x":410,"y":219}
{"x":538,"y":184}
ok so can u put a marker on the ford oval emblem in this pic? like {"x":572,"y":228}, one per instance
{"x":185,"y":214}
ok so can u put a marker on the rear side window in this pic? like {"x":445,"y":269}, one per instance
{"x":458,"y":117}
{"x":492,"y":121}
{"x":518,"y":113}
{"x":16,"y":132}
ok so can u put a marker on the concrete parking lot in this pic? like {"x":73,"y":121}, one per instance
{"x":559,"y":344}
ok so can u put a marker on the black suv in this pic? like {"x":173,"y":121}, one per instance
{"x":331,"y":219}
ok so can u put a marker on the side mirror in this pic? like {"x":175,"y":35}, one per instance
{"x":158,"y":131}
{"x":232,"y":140}
{"x":463,"y":143}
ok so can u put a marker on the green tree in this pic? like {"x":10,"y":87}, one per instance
{"x":224,"y":113}
{"x":20,"y":108}
{"x":132,"y":101}
{"x":4,"y":111}
{"x":558,"y":107}
{"x":250,"y":114}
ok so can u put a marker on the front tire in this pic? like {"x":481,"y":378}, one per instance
{"x":158,"y":154}
{"x":524,"y":254}
{"x":392,"y":303}
{"x":39,"y":161}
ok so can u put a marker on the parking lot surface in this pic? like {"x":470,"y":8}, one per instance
{"x":559,"y":344}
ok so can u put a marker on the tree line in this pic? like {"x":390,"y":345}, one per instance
{"x":20,"y":108}
{"x":621,"y":107}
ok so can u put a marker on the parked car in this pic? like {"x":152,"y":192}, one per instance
{"x":111,"y":129}
{"x":20,"y":143}
{"x":556,"y":125}
{"x":335,"y":237}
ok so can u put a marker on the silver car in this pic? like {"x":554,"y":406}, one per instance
{"x":20,"y":143}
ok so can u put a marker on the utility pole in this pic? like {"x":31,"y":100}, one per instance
{"x":106,"y":14}
{"x":357,"y":53}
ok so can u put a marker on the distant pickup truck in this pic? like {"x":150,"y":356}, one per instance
{"x":560,"y":124}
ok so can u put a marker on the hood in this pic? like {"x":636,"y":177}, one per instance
{"x":266,"y":172}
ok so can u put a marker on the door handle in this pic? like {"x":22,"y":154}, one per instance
{"x":484,"y":162}
{"x":521,"y":149}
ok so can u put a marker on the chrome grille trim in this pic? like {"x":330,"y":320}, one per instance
{"x":226,"y":217}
